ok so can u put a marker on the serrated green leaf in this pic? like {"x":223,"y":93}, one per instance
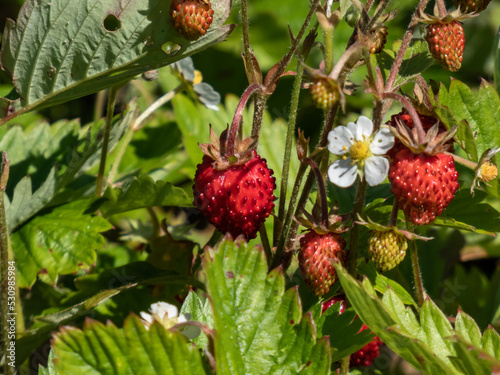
{"x":106,"y":349}
{"x":50,"y":369}
{"x":470,"y":213}
{"x":472,"y":360}
{"x":60,"y":50}
{"x":383,"y":283}
{"x":480,"y":108}
{"x":468,"y":329}
{"x":402,"y":315}
{"x":491,"y":343}
{"x":260,"y":328}
{"x":57,"y":243}
{"x":436,"y":328}
{"x":378,"y":318}
{"x":141,"y":192}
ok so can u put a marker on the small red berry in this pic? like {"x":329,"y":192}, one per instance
{"x":364,"y":357}
{"x":316,"y":256}
{"x":191,"y":18}
{"x":446,"y":42}
{"x":237,"y":199}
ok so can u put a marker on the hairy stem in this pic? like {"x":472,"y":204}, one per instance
{"x":354,"y":243}
{"x":246,"y":43}
{"x":290,"y":135}
{"x":5,"y":257}
{"x":105,"y":142}
{"x":264,"y":239}
{"x":328,"y":37}
{"x":354,"y":48}
{"x":417,"y":276}
{"x":414,"y":115}
{"x":394,"y":214}
{"x":238,"y":118}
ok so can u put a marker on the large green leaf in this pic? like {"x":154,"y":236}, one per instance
{"x":23,"y":146}
{"x":259,"y":326}
{"x":429,"y":343}
{"x":143,"y":192}
{"x":57,"y":243}
{"x":60,"y":50}
{"x":106,"y":349}
{"x":480,"y":108}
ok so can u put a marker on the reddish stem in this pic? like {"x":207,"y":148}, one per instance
{"x":322,"y":192}
{"x":238,"y":117}
{"x":414,"y":115}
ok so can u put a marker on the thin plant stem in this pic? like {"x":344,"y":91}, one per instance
{"x":354,"y":233}
{"x":5,"y":257}
{"x":264,"y":239}
{"x":120,"y":152}
{"x":404,"y":46}
{"x":105,"y":142}
{"x":394,"y":214}
{"x":292,"y":120}
{"x":247,"y":53}
{"x":417,"y":276}
{"x":354,"y":48}
{"x":288,"y":224}
{"x":328,"y":37}
{"x":322,"y":192}
{"x":139,"y":122}
{"x":99,"y":104}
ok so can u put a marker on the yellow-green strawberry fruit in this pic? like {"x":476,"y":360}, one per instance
{"x":387,"y":249}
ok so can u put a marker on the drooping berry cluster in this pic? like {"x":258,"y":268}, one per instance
{"x":237,"y":199}
{"x":191,"y":18}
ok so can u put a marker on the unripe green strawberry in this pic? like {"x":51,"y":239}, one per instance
{"x":316,"y":256}
{"x":387,"y":249}
{"x":469,"y":6}
{"x":446,"y":42}
{"x":325,"y":92}
{"x":191,"y":18}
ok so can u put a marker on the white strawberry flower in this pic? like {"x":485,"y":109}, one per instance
{"x":362,"y":153}
{"x":168,"y":316}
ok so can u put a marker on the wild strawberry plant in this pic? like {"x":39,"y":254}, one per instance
{"x":337,"y":215}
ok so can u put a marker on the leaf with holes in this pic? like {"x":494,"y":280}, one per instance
{"x":259,"y":326}
{"x":59,"y":50}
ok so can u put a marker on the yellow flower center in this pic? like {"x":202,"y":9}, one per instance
{"x":488,"y":172}
{"x":360,"y":150}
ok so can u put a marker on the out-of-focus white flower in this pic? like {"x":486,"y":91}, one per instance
{"x":362,"y":153}
{"x":168,"y":316}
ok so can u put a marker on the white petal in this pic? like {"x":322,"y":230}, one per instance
{"x":376,"y":168}
{"x":362,"y":129}
{"x":163,"y":309}
{"x":343,"y":173}
{"x":191,"y":332}
{"x":340,"y":140}
{"x":148,"y":318}
{"x":365,"y":126}
{"x":184,"y":318}
{"x":382,"y":142}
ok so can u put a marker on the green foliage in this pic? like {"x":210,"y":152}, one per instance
{"x":106,"y":349}
{"x":260,"y":326}
{"x":63,"y":50}
{"x":57,"y":243}
{"x":427,"y":340}
{"x":143,"y":192}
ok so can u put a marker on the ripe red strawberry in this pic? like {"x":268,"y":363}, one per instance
{"x":191,"y":18}
{"x":324,"y":92}
{"x":468,"y":6}
{"x":387,"y":249}
{"x":316,"y":256}
{"x":364,"y":357}
{"x":237,"y":199}
{"x":446,"y":42}
{"x":423,"y":184}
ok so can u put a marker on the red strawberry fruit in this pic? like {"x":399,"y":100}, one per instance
{"x":316,"y":256}
{"x":364,"y":357}
{"x":446,"y":43}
{"x":468,"y":6}
{"x":191,"y":18}
{"x":236,"y":199}
{"x":423,"y":184}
